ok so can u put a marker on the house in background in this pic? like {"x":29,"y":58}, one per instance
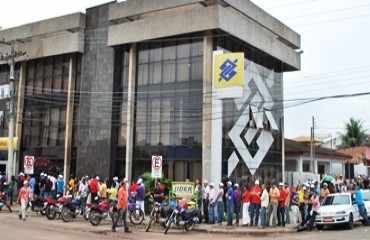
{"x":359,"y":162}
{"x":326,"y":160}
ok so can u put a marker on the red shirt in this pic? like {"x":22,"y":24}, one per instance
{"x":247,"y":196}
{"x":94,"y":186}
{"x":133,"y":187}
{"x":256,"y":199}
{"x":282,"y":198}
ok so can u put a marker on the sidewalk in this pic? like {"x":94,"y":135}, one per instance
{"x":252,"y":231}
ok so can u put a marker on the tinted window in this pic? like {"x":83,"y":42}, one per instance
{"x":336,"y":200}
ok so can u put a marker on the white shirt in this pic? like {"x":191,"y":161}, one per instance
{"x":221,"y":193}
{"x":212,"y":195}
{"x":206,"y":191}
{"x":54,"y":181}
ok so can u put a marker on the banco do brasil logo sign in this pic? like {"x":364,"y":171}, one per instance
{"x":229,"y":70}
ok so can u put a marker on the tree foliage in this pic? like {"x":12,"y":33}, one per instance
{"x":355,"y":134}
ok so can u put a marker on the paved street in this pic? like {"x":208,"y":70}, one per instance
{"x":39,"y":228}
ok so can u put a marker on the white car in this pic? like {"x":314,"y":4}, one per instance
{"x":366,"y":199}
{"x":338,"y":208}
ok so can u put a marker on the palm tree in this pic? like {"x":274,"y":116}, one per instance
{"x":355,"y":134}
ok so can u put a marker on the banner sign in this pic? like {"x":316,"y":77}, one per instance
{"x":156,"y":166}
{"x":183,"y":189}
{"x":4,"y":143}
{"x":29,"y":163}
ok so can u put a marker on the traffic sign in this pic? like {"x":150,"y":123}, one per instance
{"x":156,"y":166}
{"x":29,"y":163}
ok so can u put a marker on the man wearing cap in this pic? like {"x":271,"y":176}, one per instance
{"x":324,"y":191}
{"x":206,"y":201}
{"x":140,"y":194}
{"x":220,"y":203}
{"x":116,"y":184}
{"x":212,"y":203}
{"x":229,"y":203}
{"x":23,"y":197}
{"x":256,"y":192}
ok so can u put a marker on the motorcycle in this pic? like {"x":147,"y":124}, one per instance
{"x":100,"y":211}
{"x":53,"y":207}
{"x":159,"y":213}
{"x":37,"y":205}
{"x":183,"y":217}
{"x":136,"y":214}
{"x":4,"y":201}
{"x":71,"y":209}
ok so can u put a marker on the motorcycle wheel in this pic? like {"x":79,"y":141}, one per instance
{"x":137,"y":216}
{"x":66,"y":215}
{"x":87,"y":215}
{"x":168,"y":226}
{"x":151,"y":219}
{"x":50,"y":214}
{"x":189,"y":225}
{"x":94,"y":218}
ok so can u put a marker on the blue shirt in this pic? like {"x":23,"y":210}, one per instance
{"x":60,"y":186}
{"x":359,"y":198}
{"x":32,"y":184}
{"x":230,"y":192}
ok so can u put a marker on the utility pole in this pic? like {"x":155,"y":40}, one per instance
{"x":11,"y":60}
{"x":313,"y":167}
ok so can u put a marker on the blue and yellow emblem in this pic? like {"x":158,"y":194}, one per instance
{"x":228,"y":70}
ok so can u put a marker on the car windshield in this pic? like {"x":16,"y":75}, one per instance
{"x":366,"y":196}
{"x":336,"y":200}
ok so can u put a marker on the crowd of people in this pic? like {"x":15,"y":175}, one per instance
{"x":269,"y":204}
{"x":272,"y":204}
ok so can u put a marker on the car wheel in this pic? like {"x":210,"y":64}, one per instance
{"x":350,"y":221}
{"x":320,"y":227}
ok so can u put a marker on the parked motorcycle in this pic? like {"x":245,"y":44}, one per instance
{"x":4,"y":201}
{"x":100,"y":211}
{"x":37,"y":205}
{"x":184,"y":218}
{"x":135,"y":214}
{"x":159,"y":214}
{"x":53,"y":207}
{"x":71,"y":209}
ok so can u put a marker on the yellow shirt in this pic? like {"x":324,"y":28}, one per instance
{"x":113,"y":193}
{"x":301,"y":195}
{"x":71,"y":183}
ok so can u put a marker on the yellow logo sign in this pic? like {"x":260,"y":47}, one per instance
{"x":4,"y":143}
{"x":228,"y":70}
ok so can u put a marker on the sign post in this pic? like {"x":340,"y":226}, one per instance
{"x":156,"y":166}
{"x":29,"y":163}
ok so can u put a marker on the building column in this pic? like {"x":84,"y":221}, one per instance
{"x":300,"y":164}
{"x":207,"y":105}
{"x":69,"y":117}
{"x":130,"y":111}
{"x":19,"y":116}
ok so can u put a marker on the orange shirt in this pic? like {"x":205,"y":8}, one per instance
{"x":24,"y":194}
{"x":287,"y":199}
{"x":122,"y":198}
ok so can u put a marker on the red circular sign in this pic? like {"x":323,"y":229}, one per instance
{"x":28,"y":161}
{"x":156,"y":162}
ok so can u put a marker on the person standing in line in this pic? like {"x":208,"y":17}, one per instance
{"x":60,"y":185}
{"x":287,"y":203}
{"x":297,"y":219}
{"x":302,"y":203}
{"x":206,"y":201}
{"x":122,"y":205}
{"x":24,"y":196}
{"x":103,"y":189}
{"x":94,"y":189}
{"x":212,"y":203}
{"x":199,"y":193}
{"x":256,"y":192}
{"x":10,"y":190}
{"x":140,"y":194}
{"x":246,"y":199}
{"x":229,"y":203}
{"x":237,"y":203}
{"x":220,"y":203}
{"x":274,"y":196}
{"x":281,"y":205}
{"x":264,"y":206}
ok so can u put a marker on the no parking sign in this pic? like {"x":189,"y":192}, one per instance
{"x":29,"y":162}
{"x":156,"y":166}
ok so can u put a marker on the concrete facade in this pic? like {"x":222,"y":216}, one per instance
{"x":90,"y":137}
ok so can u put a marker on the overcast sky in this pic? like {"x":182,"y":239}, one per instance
{"x":336,"y":43}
